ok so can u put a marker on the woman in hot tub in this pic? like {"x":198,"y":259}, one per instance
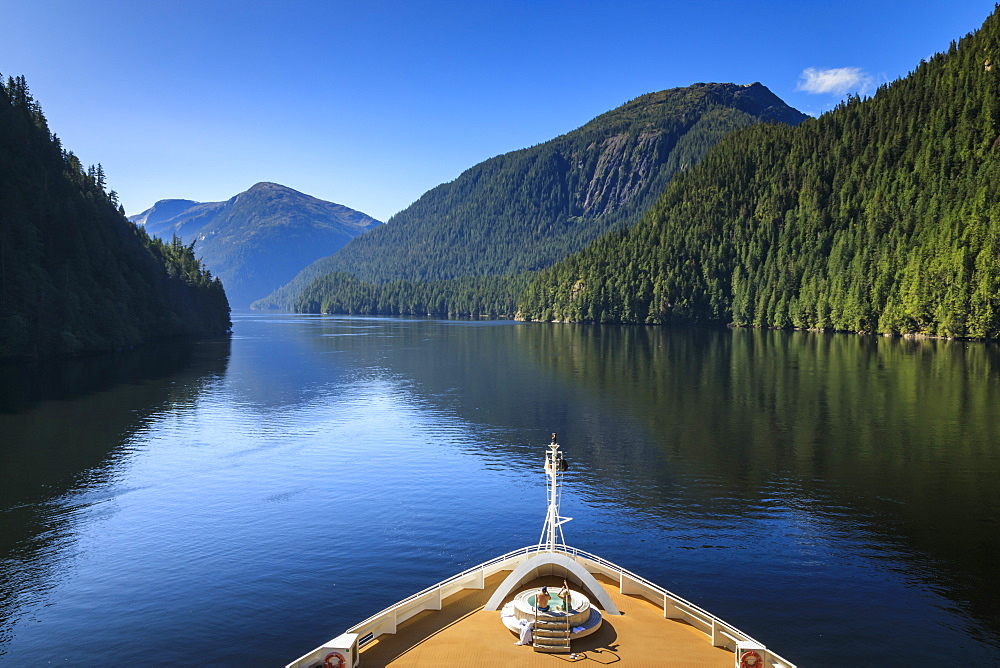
{"x":565,"y":596}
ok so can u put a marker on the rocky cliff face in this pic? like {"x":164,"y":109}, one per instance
{"x":675,"y":127}
{"x":528,"y":209}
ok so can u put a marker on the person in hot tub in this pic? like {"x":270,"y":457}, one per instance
{"x":565,"y":596}
{"x":542,"y":600}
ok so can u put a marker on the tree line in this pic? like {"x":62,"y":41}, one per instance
{"x":525,"y":210}
{"x":75,"y":275}
{"x":468,"y":296}
{"x":881,"y":215}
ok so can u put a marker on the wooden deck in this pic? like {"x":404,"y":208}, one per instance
{"x":463,"y":634}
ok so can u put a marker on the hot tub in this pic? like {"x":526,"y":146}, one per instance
{"x":578,"y":612}
{"x":583,"y":618}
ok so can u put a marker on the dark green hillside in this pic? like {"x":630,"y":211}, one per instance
{"x":260,"y":239}
{"x":472,"y":296}
{"x":882,"y":215}
{"x":525,"y":210}
{"x":75,"y":275}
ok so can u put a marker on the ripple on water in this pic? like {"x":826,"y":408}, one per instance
{"x":249,"y":512}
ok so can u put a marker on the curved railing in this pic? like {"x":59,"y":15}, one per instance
{"x":365,"y":627}
{"x":431,"y":598}
{"x":711,"y":625}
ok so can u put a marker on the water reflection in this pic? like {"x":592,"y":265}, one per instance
{"x":890,"y":440}
{"x":68,"y":426}
{"x":808,"y":488}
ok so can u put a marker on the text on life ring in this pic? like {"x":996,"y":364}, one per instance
{"x":750,"y":659}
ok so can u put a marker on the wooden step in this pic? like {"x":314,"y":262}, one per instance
{"x":551,"y":633}
{"x":551,"y":649}
{"x":547,"y":624}
{"x":551,"y":637}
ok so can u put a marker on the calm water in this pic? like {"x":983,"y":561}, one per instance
{"x":238,"y":503}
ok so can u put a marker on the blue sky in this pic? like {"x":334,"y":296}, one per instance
{"x":371,"y":103}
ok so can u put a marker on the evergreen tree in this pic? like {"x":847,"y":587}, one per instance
{"x":75,"y":275}
{"x":879,"y":216}
{"x":523,"y":211}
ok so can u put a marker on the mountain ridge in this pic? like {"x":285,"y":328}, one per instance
{"x":878,"y":216}
{"x":257,"y":239}
{"x":524,"y":210}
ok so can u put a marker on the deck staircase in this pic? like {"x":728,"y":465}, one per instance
{"x":551,"y":635}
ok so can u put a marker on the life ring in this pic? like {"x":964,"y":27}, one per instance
{"x":751,"y":659}
{"x":334,"y":660}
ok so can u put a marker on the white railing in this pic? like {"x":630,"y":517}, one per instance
{"x":431,"y":598}
{"x":711,"y":625}
{"x":400,"y":612}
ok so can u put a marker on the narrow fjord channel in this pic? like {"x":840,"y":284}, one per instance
{"x":239,"y":503}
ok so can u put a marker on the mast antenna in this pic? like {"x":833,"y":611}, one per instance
{"x":555,"y":466}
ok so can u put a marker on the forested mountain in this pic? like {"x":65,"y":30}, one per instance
{"x":879,"y":216}
{"x":75,"y":275}
{"x":468,"y":296}
{"x":260,"y":239}
{"x":523,"y":211}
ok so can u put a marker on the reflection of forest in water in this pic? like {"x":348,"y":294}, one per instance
{"x":890,"y":439}
{"x":866,"y":464}
{"x":66,"y":425}
{"x":899,"y":431}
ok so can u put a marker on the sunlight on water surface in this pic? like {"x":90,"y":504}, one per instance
{"x":242,"y":502}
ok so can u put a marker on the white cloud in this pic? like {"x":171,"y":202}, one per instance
{"x":837,"y":80}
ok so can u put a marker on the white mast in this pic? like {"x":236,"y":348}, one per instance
{"x":555,"y":465}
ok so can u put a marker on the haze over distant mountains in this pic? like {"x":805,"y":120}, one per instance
{"x":525,"y":210}
{"x":260,"y":239}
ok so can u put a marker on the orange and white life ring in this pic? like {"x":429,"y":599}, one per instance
{"x":751,"y":659}
{"x":334,"y":660}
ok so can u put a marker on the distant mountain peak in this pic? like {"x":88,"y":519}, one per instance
{"x":270,"y":186}
{"x":527,"y":209}
{"x":259,"y":239}
{"x":754,"y":98}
